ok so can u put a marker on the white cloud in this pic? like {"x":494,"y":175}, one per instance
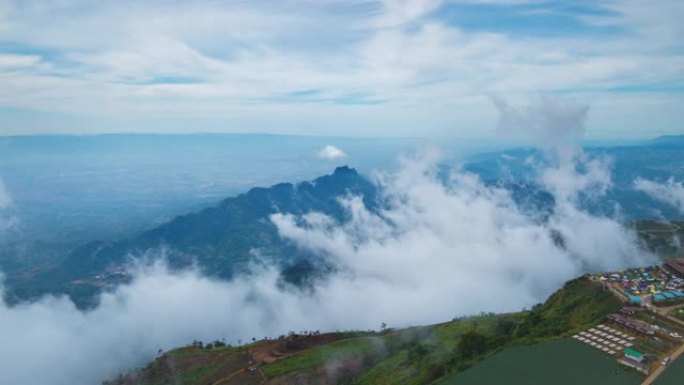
{"x":464,"y":241}
{"x":248,"y":57}
{"x":52,"y":343}
{"x":330,"y":152}
{"x":670,"y":192}
{"x":399,"y":12}
{"x":552,"y":120}
{"x":14,"y":62}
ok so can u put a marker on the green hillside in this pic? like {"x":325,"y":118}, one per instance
{"x":418,"y":355}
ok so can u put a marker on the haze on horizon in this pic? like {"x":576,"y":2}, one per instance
{"x":352,"y":67}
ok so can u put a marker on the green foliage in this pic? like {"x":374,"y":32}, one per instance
{"x":472,"y":344}
{"x":579,"y":304}
{"x":422,"y":355}
{"x":192,"y":377}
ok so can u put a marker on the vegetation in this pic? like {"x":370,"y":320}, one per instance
{"x":560,"y":362}
{"x":364,"y":347}
{"x":413,"y":356}
{"x":578,"y":305}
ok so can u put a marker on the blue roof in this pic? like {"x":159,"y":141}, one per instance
{"x":634,"y":299}
{"x":658,"y":297}
{"x":669,"y":295}
{"x":678,"y":294}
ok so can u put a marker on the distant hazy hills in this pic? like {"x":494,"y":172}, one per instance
{"x":677,"y":140}
{"x":220,"y":239}
{"x":656,"y":160}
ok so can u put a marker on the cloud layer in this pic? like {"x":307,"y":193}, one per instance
{"x":396,"y":67}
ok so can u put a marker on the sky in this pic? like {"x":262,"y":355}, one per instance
{"x":336,"y":67}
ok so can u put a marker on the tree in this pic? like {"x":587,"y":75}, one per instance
{"x":472,"y":344}
{"x":504,"y":328}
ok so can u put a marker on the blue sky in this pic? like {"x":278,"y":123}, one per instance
{"x":352,"y":67}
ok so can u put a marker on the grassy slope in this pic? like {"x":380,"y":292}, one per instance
{"x":578,"y":304}
{"x":423,"y":355}
{"x":320,"y":355}
{"x":419,"y":356}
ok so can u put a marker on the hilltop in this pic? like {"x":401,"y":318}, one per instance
{"x":221,"y":240}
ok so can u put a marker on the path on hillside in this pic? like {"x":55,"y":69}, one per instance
{"x":656,"y":373}
{"x":665,"y":312}
{"x":228,"y":377}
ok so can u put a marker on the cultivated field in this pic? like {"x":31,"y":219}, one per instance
{"x":564,"y":362}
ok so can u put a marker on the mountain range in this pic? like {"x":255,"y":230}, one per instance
{"x":223,"y":239}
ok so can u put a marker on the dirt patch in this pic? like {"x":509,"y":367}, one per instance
{"x":224,"y":367}
{"x":245,"y":377}
{"x":205,"y":365}
{"x":266,"y":352}
{"x":332,"y":373}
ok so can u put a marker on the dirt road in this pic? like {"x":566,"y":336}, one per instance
{"x":656,"y":373}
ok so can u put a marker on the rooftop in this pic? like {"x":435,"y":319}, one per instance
{"x":633,"y":353}
{"x":676,"y":264}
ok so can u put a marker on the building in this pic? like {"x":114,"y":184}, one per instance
{"x":634,"y":354}
{"x":631,"y":323}
{"x":635,"y":359}
{"x":675,"y":266}
{"x":667,"y":296}
{"x":630,"y":310}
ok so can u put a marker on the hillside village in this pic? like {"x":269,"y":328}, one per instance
{"x":647,"y":332}
{"x":634,"y":318}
